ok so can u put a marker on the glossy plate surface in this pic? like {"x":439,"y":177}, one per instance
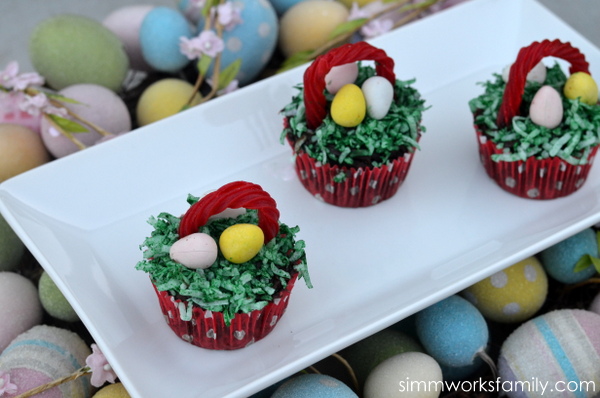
{"x":449,"y":226}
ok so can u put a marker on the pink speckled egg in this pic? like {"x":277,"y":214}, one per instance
{"x":20,"y":307}
{"x":98,"y":105}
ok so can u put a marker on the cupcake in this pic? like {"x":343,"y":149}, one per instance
{"x":223,"y":272}
{"x":538,"y":129}
{"x":353,"y":128}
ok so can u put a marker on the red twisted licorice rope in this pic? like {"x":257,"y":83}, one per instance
{"x":527,"y":58}
{"x":314,"y":77}
{"x":233,"y":195}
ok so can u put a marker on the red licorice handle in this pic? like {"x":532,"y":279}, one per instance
{"x":527,"y":58}
{"x":233,"y":195}
{"x":314,"y":77}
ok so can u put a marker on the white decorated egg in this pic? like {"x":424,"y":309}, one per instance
{"x":537,"y":74}
{"x":379,"y":93}
{"x":341,"y":75}
{"x":197,"y":250}
{"x":546,"y":108}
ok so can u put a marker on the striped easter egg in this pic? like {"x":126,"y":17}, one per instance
{"x":553,"y":355}
{"x":43,"y":354}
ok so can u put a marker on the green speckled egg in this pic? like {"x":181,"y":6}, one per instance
{"x":53,"y":301}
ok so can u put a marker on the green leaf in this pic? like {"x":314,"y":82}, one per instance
{"x":296,"y":59}
{"x":347,"y":27}
{"x":61,"y":98}
{"x":68,"y":125}
{"x":596,"y":262}
{"x":228,"y":74}
{"x":203,"y":64}
{"x":207,"y":6}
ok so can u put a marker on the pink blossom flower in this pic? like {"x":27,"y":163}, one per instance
{"x":5,"y":385}
{"x":229,"y":15}
{"x":101,"y":369}
{"x":39,"y":103}
{"x":11,"y":79}
{"x":377,"y":27}
{"x":208,"y":42}
{"x":8,"y":74}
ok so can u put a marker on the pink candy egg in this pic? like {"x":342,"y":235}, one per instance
{"x":546,"y":108}
{"x":197,"y":250}
{"x":341,"y":75}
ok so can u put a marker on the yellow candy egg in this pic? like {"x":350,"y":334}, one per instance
{"x":512,"y":295}
{"x":241,"y":242}
{"x":581,"y":85}
{"x":349,"y":107}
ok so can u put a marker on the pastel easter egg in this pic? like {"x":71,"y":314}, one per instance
{"x":537,"y":74}
{"x":160,"y":35}
{"x":411,"y":374}
{"x":581,"y":85}
{"x":546,"y":108}
{"x":20,"y":307}
{"x":241,"y":242}
{"x":341,"y":75}
{"x":314,"y":385}
{"x":308,"y":25}
{"x":379,"y":93}
{"x":11,"y":247}
{"x":452,"y":331}
{"x":363,"y":356}
{"x":11,"y":113}
{"x":559,"y":349}
{"x":116,"y":390}
{"x":514,"y":294}
{"x":197,"y":250}
{"x":21,"y":149}
{"x":125,"y":22}
{"x":73,"y":49}
{"x":98,"y":105}
{"x":164,"y":98}
{"x":44,"y":354}
{"x":53,"y":301}
{"x":348,"y":107}
{"x":559,"y":260}
{"x":252,"y":41}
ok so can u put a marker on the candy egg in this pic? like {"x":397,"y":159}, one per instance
{"x":581,"y":85}
{"x":308,"y":24}
{"x":341,"y":75}
{"x":546,"y":108}
{"x":197,"y":250}
{"x":560,"y":259}
{"x":348,"y":107}
{"x":379,"y":93}
{"x":514,"y":294}
{"x":241,"y":242}
{"x":537,"y":74}
{"x":411,"y":374}
{"x":160,"y":34}
{"x":314,"y":385}
{"x":452,"y":331}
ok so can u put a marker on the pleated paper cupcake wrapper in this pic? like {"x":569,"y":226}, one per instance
{"x":207,"y":329}
{"x":534,"y":178}
{"x":362,"y":187}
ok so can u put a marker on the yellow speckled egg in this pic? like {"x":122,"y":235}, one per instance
{"x":581,"y":85}
{"x":307,"y":25}
{"x":241,"y":242}
{"x":163,"y":98}
{"x":349,"y":107}
{"x":21,"y":149}
{"x":512,"y":295}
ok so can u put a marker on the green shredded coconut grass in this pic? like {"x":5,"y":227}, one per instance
{"x":572,"y":141}
{"x":371,"y":143}
{"x":224,"y":287}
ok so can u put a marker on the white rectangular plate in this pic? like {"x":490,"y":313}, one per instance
{"x":84,"y":216}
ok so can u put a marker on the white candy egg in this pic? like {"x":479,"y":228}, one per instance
{"x":197,"y":250}
{"x":537,"y":74}
{"x":341,"y":75}
{"x":379,"y":93}
{"x":546,"y":108}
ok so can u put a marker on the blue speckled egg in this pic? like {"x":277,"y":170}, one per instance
{"x":160,"y":35}
{"x":559,"y":260}
{"x":452,"y":331}
{"x":314,"y":385}
{"x":253,"y":40}
{"x":559,"y":350}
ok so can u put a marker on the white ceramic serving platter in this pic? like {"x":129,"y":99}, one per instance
{"x":84,"y":216}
